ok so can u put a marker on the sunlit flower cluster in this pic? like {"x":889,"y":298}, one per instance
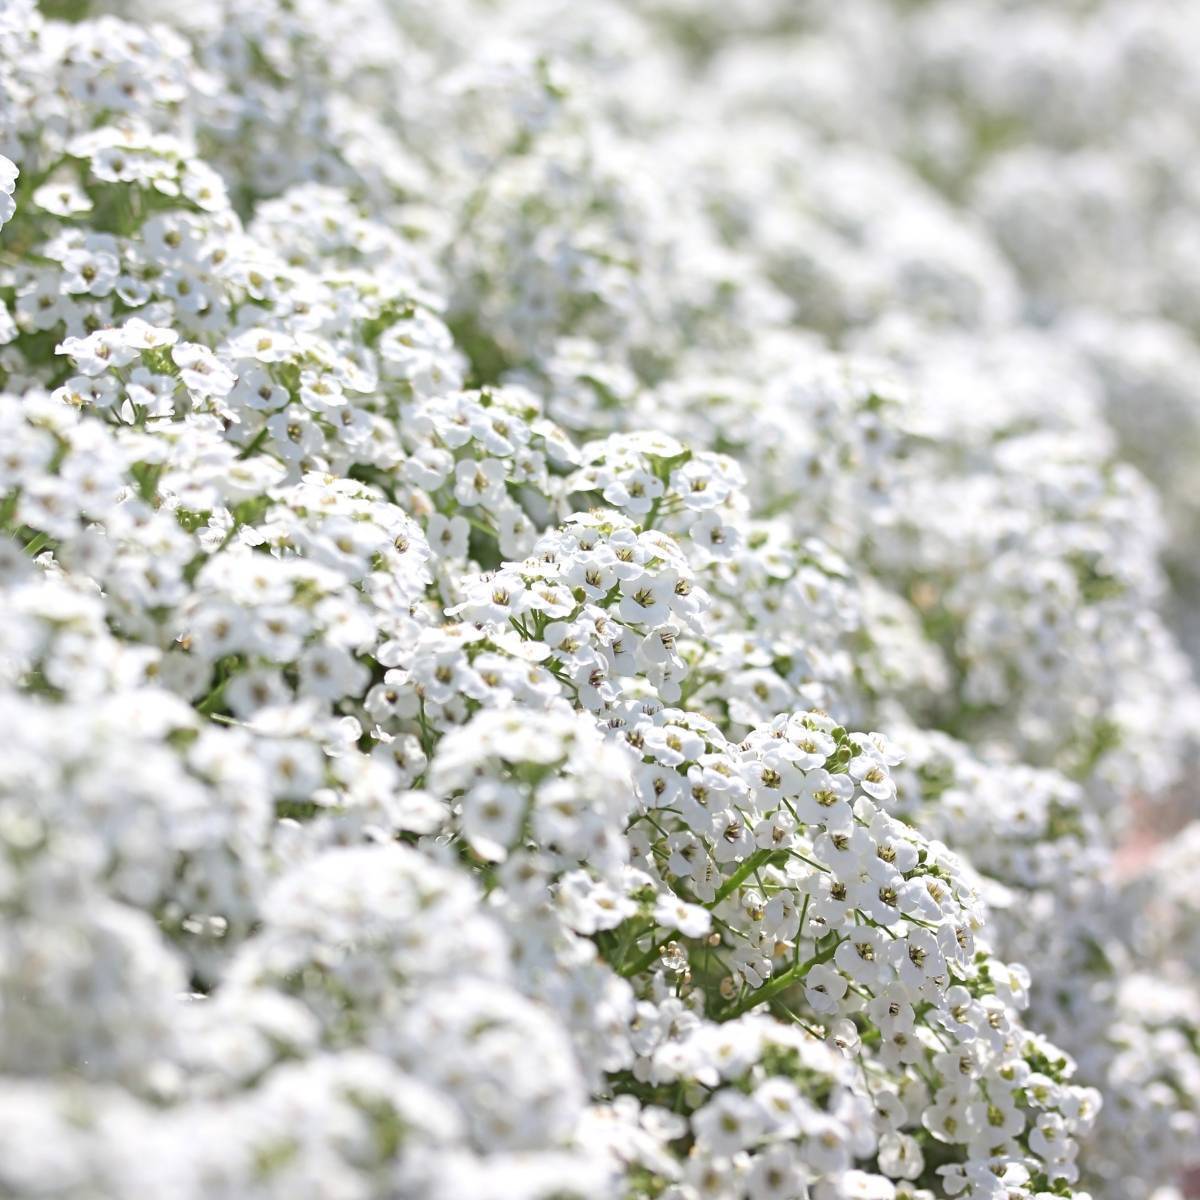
{"x":587,"y":593}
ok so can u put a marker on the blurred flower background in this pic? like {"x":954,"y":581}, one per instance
{"x":599,"y":599}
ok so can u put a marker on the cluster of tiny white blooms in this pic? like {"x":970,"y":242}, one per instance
{"x":1148,"y":369}
{"x":586,"y":592}
{"x":1066,"y":131}
{"x":1017,"y":555}
{"x":1047,"y":876}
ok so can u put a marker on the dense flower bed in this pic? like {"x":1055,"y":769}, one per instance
{"x":588,"y":592}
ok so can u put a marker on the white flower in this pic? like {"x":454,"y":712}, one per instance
{"x":900,"y":1156}
{"x":61,"y":197}
{"x":858,"y":1185}
{"x":479,"y":482}
{"x":262,"y":344}
{"x":202,"y":373}
{"x":776,"y":1174}
{"x":447,"y":536}
{"x":101,"y":351}
{"x":8,"y":184}
{"x":728,"y":1123}
{"x":690,"y":919}
{"x":492,"y":814}
{"x":647,"y":600}
{"x":824,"y":988}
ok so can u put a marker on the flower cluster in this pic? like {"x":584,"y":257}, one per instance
{"x":554,"y":649}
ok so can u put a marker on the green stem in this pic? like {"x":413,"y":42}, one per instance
{"x":213,"y":700}
{"x":426,"y":733}
{"x":811,"y":1030}
{"x":644,"y":961}
{"x":259,"y":438}
{"x":774,"y":986}
{"x":476,"y":523}
{"x":756,"y":860}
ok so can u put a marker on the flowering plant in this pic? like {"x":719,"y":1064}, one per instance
{"x":550,"y":653}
